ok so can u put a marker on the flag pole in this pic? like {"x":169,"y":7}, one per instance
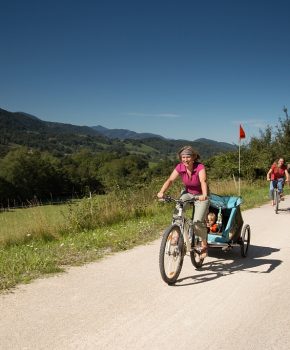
{"x":239,"y":166}
{"x":242,"y":135}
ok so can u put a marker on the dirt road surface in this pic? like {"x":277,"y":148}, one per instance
{"x":122,"y":303}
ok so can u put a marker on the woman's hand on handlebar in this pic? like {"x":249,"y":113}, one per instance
{"x":160,"y":195}
{"x":202,"y":197}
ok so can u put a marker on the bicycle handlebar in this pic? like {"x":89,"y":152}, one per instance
{"x":178,"y":200}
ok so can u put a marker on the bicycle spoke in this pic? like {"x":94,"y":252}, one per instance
{"x":172,"y":256}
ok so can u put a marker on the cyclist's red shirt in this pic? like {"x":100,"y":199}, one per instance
{"x":192,"y":185}
{"x":278,"y":172}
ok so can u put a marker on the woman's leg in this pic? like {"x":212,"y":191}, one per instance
{"x":271,"y":191}
{"x":280,"y":184}
{"x":199,"y":219}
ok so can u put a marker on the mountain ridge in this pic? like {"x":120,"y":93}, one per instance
{"x":123,"y":134}
{"x":20,"y":128}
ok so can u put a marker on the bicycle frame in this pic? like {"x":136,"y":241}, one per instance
{"x":182,"y":222}
{"x":276,"y":194}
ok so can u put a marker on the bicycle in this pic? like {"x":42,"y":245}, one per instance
{"x":276,"y":194}
{"x":178,"y":240}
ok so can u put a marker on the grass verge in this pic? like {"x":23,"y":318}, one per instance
{"x":25,"y":262}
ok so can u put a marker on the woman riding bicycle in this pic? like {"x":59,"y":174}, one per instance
{"x":193,"y":176}
{"x":277,"y":175}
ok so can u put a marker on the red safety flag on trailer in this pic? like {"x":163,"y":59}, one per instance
{"x":242,"y":133}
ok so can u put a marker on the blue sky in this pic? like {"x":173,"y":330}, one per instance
{"x":180,"y":69}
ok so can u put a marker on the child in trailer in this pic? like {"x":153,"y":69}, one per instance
{"x":212,"y":226}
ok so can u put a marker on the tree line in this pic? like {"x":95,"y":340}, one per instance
{"x":27,"y":174}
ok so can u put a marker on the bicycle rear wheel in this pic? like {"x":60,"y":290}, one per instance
{"x":195,"y":255}
{"x":245,"y":240}
{"x":171,"y":254}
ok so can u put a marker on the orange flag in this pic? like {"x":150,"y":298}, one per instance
{"x":242,"y":132}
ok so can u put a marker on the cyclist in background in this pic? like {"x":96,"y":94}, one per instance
{"x":277,"y":175}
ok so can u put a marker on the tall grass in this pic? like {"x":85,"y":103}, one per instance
{"x":20,"y":225}
{"x":116,"y":207}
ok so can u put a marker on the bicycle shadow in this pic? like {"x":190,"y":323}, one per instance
{"x":221,"y":267}
{"x":287,"y":210}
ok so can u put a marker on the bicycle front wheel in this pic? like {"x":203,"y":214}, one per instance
{"x":171,"y":254}
{"x":276,"y":201}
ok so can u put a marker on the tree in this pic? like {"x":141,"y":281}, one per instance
{"x":30,"y":173}
{"x":82,"y":168}
{"x":124,"y":172}
{"x":282,"y":139}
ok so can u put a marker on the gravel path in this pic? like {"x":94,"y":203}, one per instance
{"x":121,"y":302}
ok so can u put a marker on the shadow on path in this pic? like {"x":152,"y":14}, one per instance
{"x":231,"y":262}
{"x":284,"y":210}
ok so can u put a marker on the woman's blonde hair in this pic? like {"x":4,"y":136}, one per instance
{"x":188,"y":150}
